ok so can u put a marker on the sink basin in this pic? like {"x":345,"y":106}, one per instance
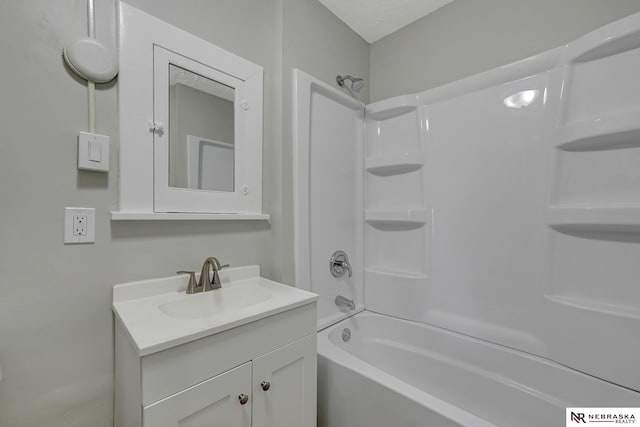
{"x":215,"y":302}
{"x":157,"y":314}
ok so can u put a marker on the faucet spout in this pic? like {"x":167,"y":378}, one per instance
{"x":343,"y":302}
{"x":206,"y":281}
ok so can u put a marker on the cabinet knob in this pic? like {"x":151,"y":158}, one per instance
{"x":266,"y":385}
{"x":243,"y":399}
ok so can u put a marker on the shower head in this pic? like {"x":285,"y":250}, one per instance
{"x":356,"y":83}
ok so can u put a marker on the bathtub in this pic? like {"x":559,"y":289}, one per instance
{"x":397,"y":373}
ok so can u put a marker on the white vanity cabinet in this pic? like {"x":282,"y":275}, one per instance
{"x":289,"y":377}
{"x":252,"y":366}
{"x":212,"y":403}
{"x":281,"y":392}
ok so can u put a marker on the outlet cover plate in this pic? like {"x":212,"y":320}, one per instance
{"x":79,"y":225}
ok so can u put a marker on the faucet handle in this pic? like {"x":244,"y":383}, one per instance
{"x":339,"y":264}
{"x":192,"y":287}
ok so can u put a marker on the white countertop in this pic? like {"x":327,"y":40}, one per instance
{"x":137,"y":306}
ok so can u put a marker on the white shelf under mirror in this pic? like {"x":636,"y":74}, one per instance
{"x":177,"y":216}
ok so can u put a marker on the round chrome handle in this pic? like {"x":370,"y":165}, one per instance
{"x":339,"y":264}
{"x":243,"y":399}
{"x":266,"y":385}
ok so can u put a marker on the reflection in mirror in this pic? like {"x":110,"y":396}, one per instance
{"x":201,"y":132}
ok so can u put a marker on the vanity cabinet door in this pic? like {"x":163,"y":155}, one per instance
{"x":289,"y":377}
{"x":212,"y":403}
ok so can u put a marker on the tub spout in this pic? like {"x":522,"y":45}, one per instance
{"x":343,"y":302}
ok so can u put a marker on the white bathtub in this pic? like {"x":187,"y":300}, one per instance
{"x":396,"y":373}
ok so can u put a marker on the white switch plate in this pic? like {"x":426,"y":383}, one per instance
{"x":79,"y":225}
{"x":93,"y":152}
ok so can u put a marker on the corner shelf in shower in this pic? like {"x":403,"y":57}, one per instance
{"x":613,"y":131}
{"x":395,"y":164}
{"x":383,"y":277}
{"x":621,"y":218}
{"x":394,"y":273}
{"x":393,"y":107}
{"x":406,"y":217}
{"x":598,"y":45}
{"x":607,"y":309}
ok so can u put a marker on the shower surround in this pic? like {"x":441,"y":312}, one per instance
{"x":504,"y":207}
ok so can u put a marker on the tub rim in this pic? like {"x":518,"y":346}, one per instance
{"x":343,"y":358}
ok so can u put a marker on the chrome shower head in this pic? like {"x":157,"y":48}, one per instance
{"x":356,"y":83}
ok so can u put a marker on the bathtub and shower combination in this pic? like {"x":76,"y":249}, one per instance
{"x":492,"y":229}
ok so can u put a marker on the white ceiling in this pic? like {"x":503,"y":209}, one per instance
{"x":374,"y":19}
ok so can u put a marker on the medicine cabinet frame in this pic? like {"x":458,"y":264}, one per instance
{"x":146,"y":46}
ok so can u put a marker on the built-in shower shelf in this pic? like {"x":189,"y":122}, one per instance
{"x":396,"y":217}
{"x":600,"y":218}
{"x":593,"y":46}
{"x":609,"y":309}
{"x":395,"y":164}
{"x":393,"y":107}
{"x":620,"y":130}
{"x":394,"y":279}
{"x":390,"y":273}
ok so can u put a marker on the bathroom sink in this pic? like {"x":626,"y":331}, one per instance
{"x":158,"y":314}
{"x":216,"y":302}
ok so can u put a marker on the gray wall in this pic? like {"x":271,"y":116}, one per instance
{"x":469,"y":36}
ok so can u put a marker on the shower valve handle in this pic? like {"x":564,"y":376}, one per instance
{"x":339,"y":264}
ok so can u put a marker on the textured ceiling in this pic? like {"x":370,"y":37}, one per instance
{"x":374,"y":19}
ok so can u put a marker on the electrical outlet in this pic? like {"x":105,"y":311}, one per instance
{"x":79,"y":225}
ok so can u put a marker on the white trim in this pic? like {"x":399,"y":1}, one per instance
{"x":152,"y":216}
{"x":303,"y":84}
{"x":140,"y":190}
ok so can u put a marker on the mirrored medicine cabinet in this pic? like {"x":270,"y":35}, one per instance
{"x":190,"y":125}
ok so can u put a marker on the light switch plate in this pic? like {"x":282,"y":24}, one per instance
{"x":79,"y":225}
{"x":93,"y":152}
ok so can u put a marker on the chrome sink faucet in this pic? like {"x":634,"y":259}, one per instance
{"x":205,"y":284}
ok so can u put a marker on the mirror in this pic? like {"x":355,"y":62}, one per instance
{"x":201,"y":132}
